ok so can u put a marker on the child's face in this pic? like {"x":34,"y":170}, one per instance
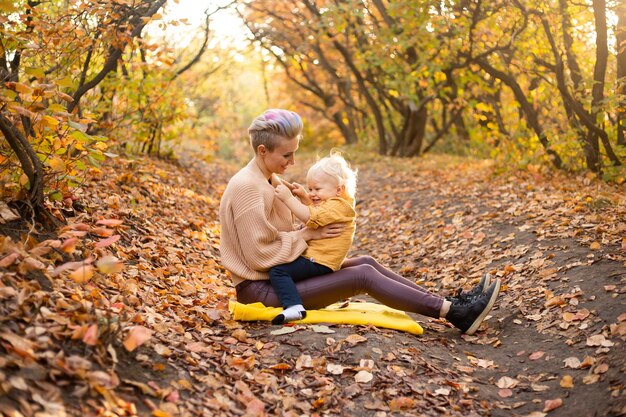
{"x":322,"y":187}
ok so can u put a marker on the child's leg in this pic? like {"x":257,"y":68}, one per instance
{"x":282,"y":278}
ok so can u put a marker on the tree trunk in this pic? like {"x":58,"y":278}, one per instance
{"x":532,"y":118}
{"x":620,"y":35}
{"x":30,"y":163}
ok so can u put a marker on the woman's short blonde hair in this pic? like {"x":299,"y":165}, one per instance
{"x":273,"y":126}
{"x":337,"y":167}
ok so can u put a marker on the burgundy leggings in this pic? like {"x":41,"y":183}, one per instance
{"x":357,"y":276}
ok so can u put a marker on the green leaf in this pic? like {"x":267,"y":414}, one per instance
{"x":56,"y":107}
{"x":97,"y":155}
{"x":65,"y":82}
{"x":56,"y":196}
{"x":80,"y":136}
{"x":37,"y":72}
{"x":77,"y":126}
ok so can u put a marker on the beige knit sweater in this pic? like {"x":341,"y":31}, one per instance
{"x":256,"y":227}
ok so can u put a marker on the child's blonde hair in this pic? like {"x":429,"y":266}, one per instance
{"x":337,"y":167}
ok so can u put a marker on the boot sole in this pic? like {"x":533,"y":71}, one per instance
{"x":472,"y":329}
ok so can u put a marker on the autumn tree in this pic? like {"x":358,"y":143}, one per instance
{"x":53,"y":56}
{"x":526,"y":77}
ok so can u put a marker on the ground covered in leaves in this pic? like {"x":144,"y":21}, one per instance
{"x":124,"y":311}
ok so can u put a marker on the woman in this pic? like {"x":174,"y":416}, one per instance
{"x":258,"y":233}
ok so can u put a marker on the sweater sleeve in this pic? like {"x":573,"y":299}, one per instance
{"x":334,"y":210}
{"x":263,"y":246}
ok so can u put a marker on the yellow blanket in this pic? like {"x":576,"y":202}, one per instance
{"x":354,"y":313}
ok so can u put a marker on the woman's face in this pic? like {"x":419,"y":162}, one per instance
{"x":278,"y":160}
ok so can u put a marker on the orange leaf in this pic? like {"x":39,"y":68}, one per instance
{"x":101,"y":231}
{"x":281,"y":367}
{"x":137,"y":336}
{"x":91,"y":335}
{"x":550,"y":405}
{"x":353,"y":339}
{"x":401,"y":403}
{"x":108,"y":241}
{"x":587,"y":362}
{"x":555,"y":301}
{"x":82,"y":275}
{"x":110,"y":222}
{"x":567,"y":381}
{"x":69,"y":245}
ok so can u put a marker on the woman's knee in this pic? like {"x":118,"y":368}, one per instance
{"x":366,"y":260}
{"x":364,"y":273}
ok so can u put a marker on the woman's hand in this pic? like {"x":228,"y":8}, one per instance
{"x":326,"y":232}
{"x":282,"y":192}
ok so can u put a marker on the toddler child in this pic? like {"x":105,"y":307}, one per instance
{"x":331,"y":187}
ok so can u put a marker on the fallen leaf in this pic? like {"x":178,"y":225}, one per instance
{"x":601,"y":368}
{"x":572,"y":362}
{"x":587,"y":362}
{"x":363,"y":377}
{"x":353,"y":339}
{"x":304,"y":361}
{"x":9,"y":259}
{"x":109,"y":265}
{"x":401,"y":403}
{"x":91,"y":336}
{"x":163,"y":350}
{"x":240,"y":334}
{"x":599,"y":340}
{"x":107,"y":242}
{"x":281,"y":367}
{"x":505,"y":392}
{"x":283,"y":330}
{"x":69,"y":245}
{"x":567,"y":381}
{"x":550,"y":405}
{"x":318,"y":328}
{"x":137,"y":336}
{"x":507,"y":382}
{"x":591,"y":379}
{"x":82,"y":275}
{"x":110,"y":222}
{"x":536,"y":355}
{"x":334,"y":369}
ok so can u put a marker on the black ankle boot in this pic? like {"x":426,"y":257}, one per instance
{"x":467,"y":314}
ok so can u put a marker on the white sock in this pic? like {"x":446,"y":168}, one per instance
{"x":294,"y":312}
{"x":291,"y":313}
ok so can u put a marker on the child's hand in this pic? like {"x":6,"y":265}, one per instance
{"x":282,"y":192}
{"x":299,"y":191}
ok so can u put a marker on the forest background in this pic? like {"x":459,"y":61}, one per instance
{"x":525,"y":83}
{"x":536,"y":88}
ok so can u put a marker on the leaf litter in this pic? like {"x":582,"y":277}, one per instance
{"x":126,"y":306}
